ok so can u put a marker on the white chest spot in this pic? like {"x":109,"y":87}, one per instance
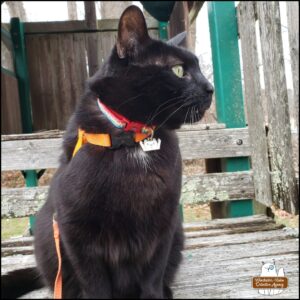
{"x":140,"y":157}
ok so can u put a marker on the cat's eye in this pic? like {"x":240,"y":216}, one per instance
{"x":178,"y":70}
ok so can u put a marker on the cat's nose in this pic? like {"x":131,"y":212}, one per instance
{"x":209,"y":88}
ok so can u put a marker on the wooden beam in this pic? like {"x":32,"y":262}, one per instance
{"x":179,"y":22}
{"x":92,"y":44}
{"x":20,"y":202}
{"x":285,"y":191}
{"x":75,"y":26}
{"x":43,"y":153}
{"x":217,"y":187}
{"x":293,"y":30}
{"x":253,"y":101}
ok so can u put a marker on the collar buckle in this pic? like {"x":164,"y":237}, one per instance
{"x":126,"y":138}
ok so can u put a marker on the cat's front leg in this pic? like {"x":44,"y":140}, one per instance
{"x":89,"y":267}
{"x":152,"y":283}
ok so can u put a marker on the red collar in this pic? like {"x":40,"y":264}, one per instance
{"x":121,"y":122}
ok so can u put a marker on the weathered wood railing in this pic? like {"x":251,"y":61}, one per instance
{"x":272,"y":154}
{"x":42,"y":150}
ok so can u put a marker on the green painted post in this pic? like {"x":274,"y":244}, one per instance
{"x":163,"y":30}
{"x":228,"y":85}
{"x":17,"y":34}
{"x":21,"y":70}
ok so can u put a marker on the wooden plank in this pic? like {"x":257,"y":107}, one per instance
{"x":34,"y":52}
{"x":9,"y":249}
{"x":241,"y":238}
{"x":80,"y":65}
{"x":253,"y":101}
{"x":19,"y":202}
{"x":49,"y":134}
{"x":91,"y":23}
{"x":55,"y":63}
{"x":235,"y":230}
{"x":10,"y":105}
{"x":254,"y":220}
{"x":230,"y":268}
{"x":293,"y":30}
{"x":227,"y":262}
{"x":6,"y":58}
{"x":214,"y":143}
{"x":48,"y":116}
{"x":202,"y":126}
{"x":44,"y":153}
{"x":17,"y":241}
{"x":30,"y":154}
{"x":285,"y":191}
{"x":55,"y":133}
{"x":292,"y":8}
{"x":198,"y":282}
{"x":77,"y":26}
{"x":217,"y":187}
{"x":237,"y":252}
{"x":68,"y":101}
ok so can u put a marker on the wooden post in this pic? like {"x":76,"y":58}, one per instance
{"x":253,"y":101}
{"x":179,"y":22}
{"x":92,"y":45}
{"x":284,"y":185}
{"x":72,"y":10}
{"x":293,"y":29}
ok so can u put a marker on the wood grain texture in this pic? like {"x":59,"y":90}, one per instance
{"x":20,"y":202}
{"x":214,"y":143}
{"x":57,"y":62}
{"x":10,"y":105}
{"x":77,"y":26}
{"x":44,"y":153}
{"x":285,"y":190}
{"x":253,"y":101}
{"x":217,"y":187}
{"x":222,"y":265}
{"x":293,"y":30}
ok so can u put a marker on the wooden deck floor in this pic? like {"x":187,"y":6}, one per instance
{"x":220,"y":258}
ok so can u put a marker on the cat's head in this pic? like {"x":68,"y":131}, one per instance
{"x":151,"y":81}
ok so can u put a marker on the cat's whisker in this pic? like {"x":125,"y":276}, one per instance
{"x":170,"y":105}
{"x":163,"y":109}
{"x":130,"y":99}
{"x":181,"y":106}
{"x":163,"y":104}
{"x":186,"y":115}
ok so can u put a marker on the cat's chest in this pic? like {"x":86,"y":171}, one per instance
{"x":140,"y":158}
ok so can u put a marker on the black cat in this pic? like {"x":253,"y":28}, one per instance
{"x":117,"y":206}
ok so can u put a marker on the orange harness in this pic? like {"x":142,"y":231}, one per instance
{"x":58,"y":280}
{"x":98,"y":139}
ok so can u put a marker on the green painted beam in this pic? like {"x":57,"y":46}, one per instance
{"x":21,"y":70}
{"x":228,"y":85}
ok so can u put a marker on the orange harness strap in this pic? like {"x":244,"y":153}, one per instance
{"x":95,"y":139}
{"x":102,"y":139}
{"x":58,"y":280}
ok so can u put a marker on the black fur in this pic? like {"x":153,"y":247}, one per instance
{"x":121,"y":234}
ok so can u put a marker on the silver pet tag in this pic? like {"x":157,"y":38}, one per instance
{"x":150,"y":144}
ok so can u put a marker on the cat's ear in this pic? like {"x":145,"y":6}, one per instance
{"x":132,"y":32}
{"x":177,"y":39}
